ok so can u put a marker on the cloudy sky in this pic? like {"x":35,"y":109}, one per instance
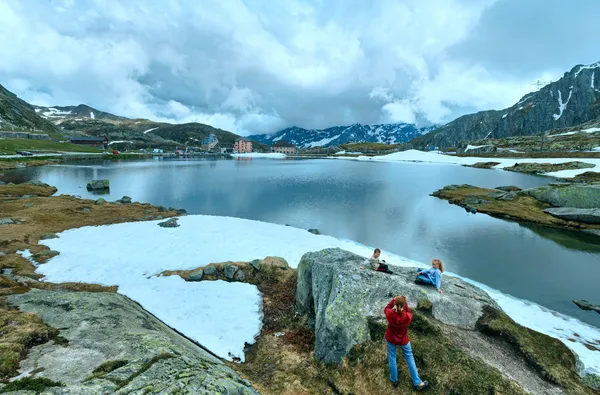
{"x":257,"y":66}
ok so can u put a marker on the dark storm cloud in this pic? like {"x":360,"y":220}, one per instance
{"x":256,"y":66}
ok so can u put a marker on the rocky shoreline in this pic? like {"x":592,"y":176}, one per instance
{"x":568,"y":206}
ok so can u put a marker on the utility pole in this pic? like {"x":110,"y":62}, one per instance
{"x":540,"y":84}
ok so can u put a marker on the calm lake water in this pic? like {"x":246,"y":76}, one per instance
{"x":378,"y":204}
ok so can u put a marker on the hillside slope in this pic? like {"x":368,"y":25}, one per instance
{"x":82,"y":111}
{"x":572,"y":100}
{"x":337,"y":135}
{"x":19,"y":115}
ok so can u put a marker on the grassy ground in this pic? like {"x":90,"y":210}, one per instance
{"x":47,"y":214}
{"x":282,"y":361}
{"x":551,"y":358}
{"x":10,"y":146}
{"x":522,"y":208}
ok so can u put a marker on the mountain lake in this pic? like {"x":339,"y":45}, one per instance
{"x":384,"y":205}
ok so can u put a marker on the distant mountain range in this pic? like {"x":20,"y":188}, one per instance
{"x":572,"y":100}
{"x":337,"y":135}
{"x":61,"y":122}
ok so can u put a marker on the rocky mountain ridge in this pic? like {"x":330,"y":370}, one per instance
{"x":18,"y":115}
{"x":573,"y":99}
{"x":337,"y":135}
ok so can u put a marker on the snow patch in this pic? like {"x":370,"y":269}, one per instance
{"x":120,"y":141}
{"x":278,"y":138}
{"x":589,"y":130}
{"x":431,"y":157}
{"x":562,"y":106}
{"x":592,"y":84}
{"x":92,"y":115}
{"x":591,"y":66}
{"x":504,"y":116}
{"x":223,"y":316}
{"x":52,"y":112}
{"x":149,"y":130}
{"x":322,"y":142}
{"x":472,"y":147}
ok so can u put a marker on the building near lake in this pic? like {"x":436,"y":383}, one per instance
{"x":98,"y":142}
{"x":284,"y":147}
{"x":209,"y":142}
{"x":242,"y":145}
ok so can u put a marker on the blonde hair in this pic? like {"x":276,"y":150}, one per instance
{"x":440,"y":264}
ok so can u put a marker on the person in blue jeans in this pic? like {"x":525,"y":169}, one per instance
{"x":399,"y":317}
{"x":432,"y":276}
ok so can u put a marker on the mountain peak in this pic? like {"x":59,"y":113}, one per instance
{"x":572,"y":100}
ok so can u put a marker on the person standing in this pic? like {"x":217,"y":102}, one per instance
{"x":399,"y":316}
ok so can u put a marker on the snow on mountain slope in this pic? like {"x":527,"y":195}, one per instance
{"x":337,"y":135}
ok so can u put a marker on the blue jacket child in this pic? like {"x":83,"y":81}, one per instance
{"x":431,"y":276}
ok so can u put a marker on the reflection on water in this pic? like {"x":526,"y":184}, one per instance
{"x":378,"y":204}
{"x":571,"y":239}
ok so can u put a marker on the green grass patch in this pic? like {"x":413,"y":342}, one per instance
{"x":549,"y":356}
{"x":146,"y":366}
{"x":106,"y":368}
{"x":37,"y":385}
{"x":11,"y":146}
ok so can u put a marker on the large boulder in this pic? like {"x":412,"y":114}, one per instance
{"x":98,"y":185}
{"x":585,"y":215}
{"x":111,"y":344}
{"x":339,"y":298}
{"x":577,"y":195}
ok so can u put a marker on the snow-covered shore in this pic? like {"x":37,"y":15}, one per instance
{"x":223,"y":316}
{"x":434,"y":157}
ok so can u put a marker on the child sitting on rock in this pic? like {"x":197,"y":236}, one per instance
{"x":375,"y":264}
{"x":431,"y":276}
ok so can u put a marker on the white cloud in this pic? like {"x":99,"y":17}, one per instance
{"x":254,"y":66}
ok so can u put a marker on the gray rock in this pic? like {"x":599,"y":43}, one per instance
{"x":170,"y":223}
{"x":47,"y":236}
{"x":28,"y":205}
{"x":509,"y":196}
{"x":86,"y":210}
{"x":196,"y":275}
{"x":497,"y":195}
{"x":255,"y":264}
{"x":100,"y":201}
{"x":210,"y":270}
{"x":2,"y":183}
{"x":575,"y":195}
{"x":162,"y":208}
{"x":125,"y":200}
{"x":339,"y":305}
{"x":26,"y":197}
{"x":473,"y":200}
{"x":585,"y":305}
{"x":314,"y":231}
{"x":102,"y":327}
{"x":509,"y":188}
{"x":229,"y":270}
{"x":585,"y":215}
{"x":240,"y":275}
{"x":37,"y":183}
{"x":98,"y":185}
{"x":6,"y":221}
